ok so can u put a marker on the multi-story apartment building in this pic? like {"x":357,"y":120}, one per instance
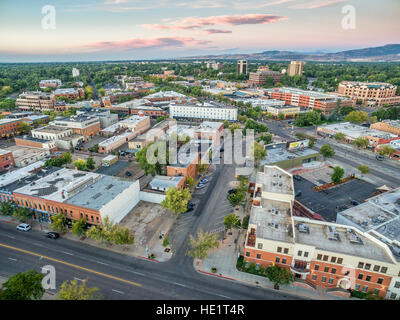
{"x":9,"y":127}
{"x":105,"y":116}
{"x":371,"y":93}
{"x":137,"y":124}
{"x":295,"y":68}
{"x":206,"y":110}
{"x":36,"y":101}
{"x":392,"y":126}
{"x":76,"y":194}
{"x":87,"y":126}
{"x":308,"y":99}
{"x":259,"y":77}
{"x":320,"y":253}
{"x":6,"y":159}
{"x":53,"y":83}
{"x":242,"y":67}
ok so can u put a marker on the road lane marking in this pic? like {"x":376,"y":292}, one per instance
{"x":102,"y":263}
{"x":117,"y":291}
{"x":71,"y":254}
{"x":12,"y":259}
{"x":180,"y":284}
{"x":9,"y":236}
{"x":70,"y":265}
{"x":78,"y":279}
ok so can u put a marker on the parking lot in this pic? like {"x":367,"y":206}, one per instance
{"x":327,"y":203}
{"x":114,"y":169}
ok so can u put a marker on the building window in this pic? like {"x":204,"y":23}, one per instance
{"x":323,"y":279}
{"x":314,"y":277}
{"x":299,"y":253}
{"x":330,"y":280}
{"x":365,"y":288}
{"x":361,"y":265}
{"x":286,"y":250}
{"x":357,"y":287}
{"x":316,"y":267}
{"x":87,"y":218}
{"x":384,"y":269}
{"x":326,"y":258}
{"x":277,"y":260}
{"x":397,"y":284}
{"x":284,"y":261}
{"x":97,"y":219}
{"x":279,"y":249}
{"x":376,"y":268}
{"x":368,"y":278}
{"x":91,"y":217}
{"x":376,"y":291}
{"x":248,"y":254}
{"x":258,"y":256}
{"x":367,"y":266}
{"x":360,"y":276}
{"x":333,"y":270}
{"x":260,"y":246}
{"x":393,"y":296}
{"x":326,"y":269}
{"x":380,"y":280}
{"x":306,"y":254}
{"x":333,"y":259}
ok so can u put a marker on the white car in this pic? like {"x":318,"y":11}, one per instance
{"x":24,"y":227}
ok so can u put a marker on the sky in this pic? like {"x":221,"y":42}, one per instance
{"x":96,"y":30}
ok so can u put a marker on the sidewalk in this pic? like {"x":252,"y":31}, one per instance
{"x":224,"y":259}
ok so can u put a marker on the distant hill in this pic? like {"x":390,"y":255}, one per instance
{"x":387,"y":53}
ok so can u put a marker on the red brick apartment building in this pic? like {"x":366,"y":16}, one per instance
{"x":308,"y":99}
{"x":6,"y":159}
{"x":9,"y":127}
{"x":36,"y":101}
{"x":317,"y":253}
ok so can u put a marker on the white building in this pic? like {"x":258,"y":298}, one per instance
{"x":206,"y":110}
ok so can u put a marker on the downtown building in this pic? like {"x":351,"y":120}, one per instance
{"x":52,"y":83}
{"x":36,"y":101}
{"x":334,"y":256}
{"x":9,"y":127}
{"x":371,"y":93}
{"x":312,"y":100}
{"x":87,"y":126}
{"x":203,"y":111}
{"x":295,"y":68}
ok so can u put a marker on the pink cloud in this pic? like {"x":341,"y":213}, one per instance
{"x":214,"y":31}
{"x":233,"y":20}
{"x":144,"y":43}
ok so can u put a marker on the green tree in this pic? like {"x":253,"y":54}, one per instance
{"x":339,"y":136}
{"x":361,"y":142}
{"x":234,"y":126}
{"x":90,"y":164}
{"x":337,"y":175}
{"x":327,"y":151}
{"x":231,"y":221}
{"x":257,"y":152}
{"x":22,"y":214}
{"x":73,"y":290}
{"x":7,"y":208}
{"x":357,"y":117}
{"x":190,"y":182}
{"x":386,"y":150}
{"x":23,"y":286}
{"x":364,"y":169}
{"x":24,"y":128}
{"x":176,"y":200}
{"x":278,"y":275}
{"x":202,"y":245}
{"x":59,"y":223}
{"x":79,"y":227}
{"x":80,"y":164}
{"x":152,"y":168}
{"x":89,"y":92}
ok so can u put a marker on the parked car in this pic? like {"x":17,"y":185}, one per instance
{"x":298,"y":193}
{"x":355,"y":203}
{"x":232,"y":191}
{"x":24,"y":227}
{"x":190,"y":206}
{"x":297,"y":177}
{"x":52,"y":235}
{"x":221,"y":150}
{"x":379,"y":157}
{"x":200,"y":186}
{"x":203,"y":181}
{"x":128,"y":174}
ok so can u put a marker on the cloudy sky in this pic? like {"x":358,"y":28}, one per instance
{"x":156,"y":29}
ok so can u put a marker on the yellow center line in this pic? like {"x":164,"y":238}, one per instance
{"x":71,"y":265}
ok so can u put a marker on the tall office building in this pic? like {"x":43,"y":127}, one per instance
{"x":295,"y":68}
{"x":242,"y":66}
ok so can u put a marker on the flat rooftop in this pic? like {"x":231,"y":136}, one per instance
{"x":133,"y":103}
{"x":22,"y":152}
{"x":392,"y":123}
{"x":340,"y":239}
{"x":209,"y":126}
{"x":59,"y":185}
{"x":313,"y":94}
{"x":275,"y":155}
{"x":4,"y":152}
{"x":114,"y":127}
{"x":166,"y":94}
{"x":164,"y":182}
{"x":355,"y":131}
{"x":133,"y":120}
{"x":51,"y":129}
{"x":115,"y":138}
{"x":275,"y":180}
{"x":99,"y":193}
{"x":380,"y":213}
{"x":202,"y":105}
{"x":15,"y":175}
{"x":273,"y":220}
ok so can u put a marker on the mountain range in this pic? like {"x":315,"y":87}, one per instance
{"x":387,"y":53}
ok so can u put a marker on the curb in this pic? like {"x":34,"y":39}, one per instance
{"x":154,"y":260}
{"x":10,"y":222}
{"x":216,"y":275}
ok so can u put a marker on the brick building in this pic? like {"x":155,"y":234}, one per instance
{"x":6,"y":159}
{"x":9,"y":127}
{"x":392,"y":126}
{"x":85,"y":125}
{"x":36,"y":101}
